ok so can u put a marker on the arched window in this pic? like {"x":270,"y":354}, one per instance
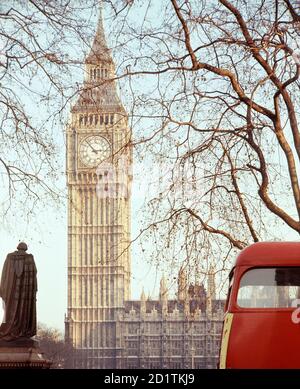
{"x":112,"y":118}
{"x":85,"y":119}
{"x":95,"y":70}
{"x":91,"y":120}
{"x":98,"y":74}
{"x":80,"y":120}
{"x":101,"y":119}
{"x":106,"y":119}
{"x":106,"y":73}
{"x":91,"y":74}
{"x":96,"y":119}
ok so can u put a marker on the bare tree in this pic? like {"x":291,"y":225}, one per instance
{"x":53,"y":346}
{"x":213,"y":89}
{"x":42,"y":45}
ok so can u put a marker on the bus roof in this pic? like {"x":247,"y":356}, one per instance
{"x":270,"y":253}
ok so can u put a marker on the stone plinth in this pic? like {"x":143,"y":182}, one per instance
{"x":22,"y":354}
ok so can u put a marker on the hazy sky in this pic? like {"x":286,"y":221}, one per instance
{"x":47,"y":241}
{"x":46,"y":236}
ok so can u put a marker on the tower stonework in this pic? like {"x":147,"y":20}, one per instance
{"x":105,"y":328}
{"x":98,"y":180}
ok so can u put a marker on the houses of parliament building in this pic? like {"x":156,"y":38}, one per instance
{"x":105,"y":327}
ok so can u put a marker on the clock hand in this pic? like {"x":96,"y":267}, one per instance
{"x":93,"y":149}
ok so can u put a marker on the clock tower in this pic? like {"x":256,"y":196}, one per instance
{"x":98,"y":179}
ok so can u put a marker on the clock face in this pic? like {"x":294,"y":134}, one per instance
{"x":93,"y":150}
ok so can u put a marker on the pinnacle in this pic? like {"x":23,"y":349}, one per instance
{"x":99,"y":51}
{"x":143,"y":296}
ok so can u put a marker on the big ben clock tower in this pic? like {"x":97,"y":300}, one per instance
{"x":98,"y":179}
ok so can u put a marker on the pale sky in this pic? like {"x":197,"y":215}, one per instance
{"x":48,"y":244}
{"x":46,"y":236}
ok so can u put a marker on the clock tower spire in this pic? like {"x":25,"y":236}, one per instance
{"x":98,"y":180}
{"x":99,"y":50}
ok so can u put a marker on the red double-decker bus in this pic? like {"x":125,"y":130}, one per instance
{"x":262,"y":320}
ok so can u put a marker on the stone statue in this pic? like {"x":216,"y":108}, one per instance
{"x":18,"y":290}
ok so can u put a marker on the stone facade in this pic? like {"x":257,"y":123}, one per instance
{"x":106,"y":328}
{"x":170,"y":334}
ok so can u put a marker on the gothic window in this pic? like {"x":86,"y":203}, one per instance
{"x":106,"y":73}
{"x":98,"y":74}
{"x":96,"y":119}
{"x":199,"y":345}
{"x":106,"y":293}
{"x":198,"y":328}
{"x":132,"y":329}
{"x":85,"y":210}
{"x":156,"y":328}
{"x":106,"y":119}
{"x":177,"y":346}
{"x":175,"y":365}
{"x":155,"y":345}
{"x":112,"y":246}
{"x":80,"y":120}
{"x":91,"y":74}
{"x":95,"y":70}
{"x":208,"y":345}
{"x":132,"y":364}
{"x":217,"y":341}
{"x":154,"y":363}
{"x":132,"y":347}
{"x":174,"y":328}
{"x":106,"y":238}
{"x":111,"y":119}
{"x":200,"y":364}
{"x":85,"y":119}
{"x":91,"y":120}
{"x":92,"y":99}
{"x":101,"y":119}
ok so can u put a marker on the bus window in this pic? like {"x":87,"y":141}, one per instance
{"x":269,"y":287}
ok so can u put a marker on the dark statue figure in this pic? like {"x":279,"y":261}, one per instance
{"x":18,"y":290}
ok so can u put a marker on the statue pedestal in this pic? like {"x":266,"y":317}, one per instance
{"x":22,"y":354}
